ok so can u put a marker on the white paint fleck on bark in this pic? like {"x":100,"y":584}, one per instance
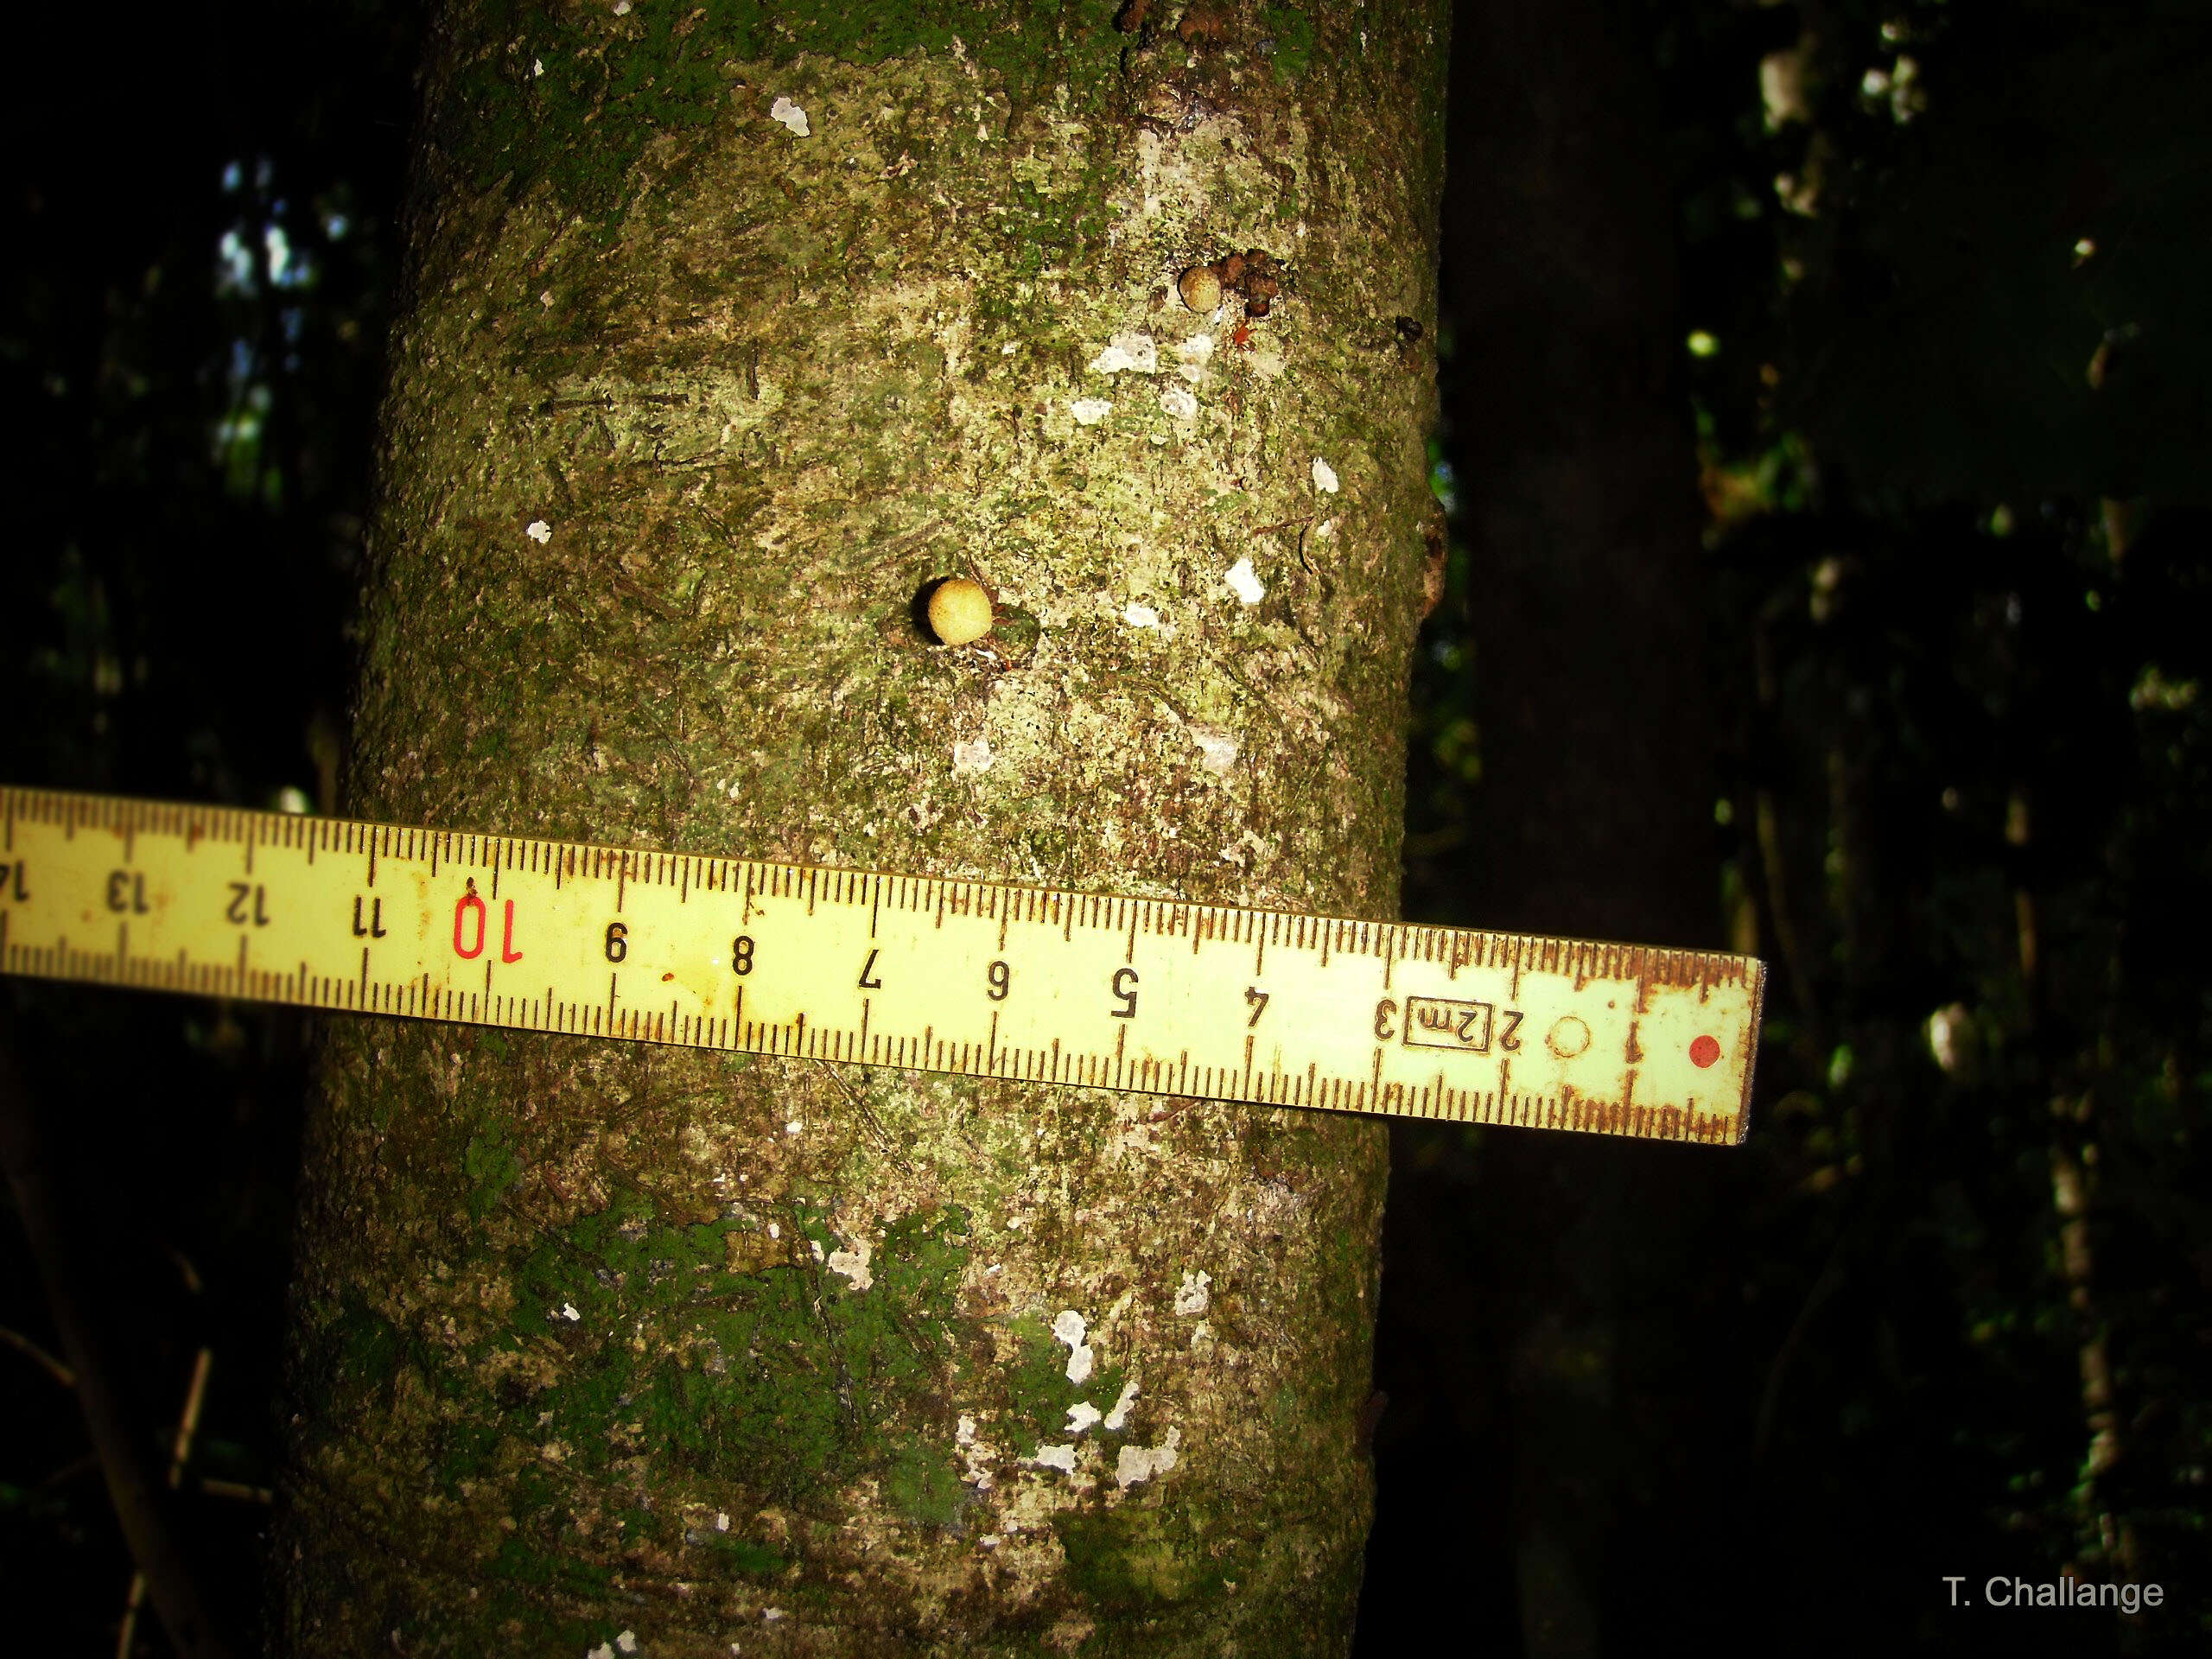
{"x":1126,"y":352}
{"x":1119,"y":1417}
{"x":1218,"y":751}
{"x":853,"y":1264}
{"x":1068,"y":1327}
{"x":1140,"y":1463}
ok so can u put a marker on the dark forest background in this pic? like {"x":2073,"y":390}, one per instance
{"x":1906,"y":310}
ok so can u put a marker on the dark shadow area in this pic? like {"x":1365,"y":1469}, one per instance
{"x":199,"y":225}
{"x":1839,"y":351}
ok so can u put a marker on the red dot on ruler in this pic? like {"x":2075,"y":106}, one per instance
{"x":1704,"y":1052}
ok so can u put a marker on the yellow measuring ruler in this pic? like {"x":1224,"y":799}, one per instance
{"x":938,"y":973}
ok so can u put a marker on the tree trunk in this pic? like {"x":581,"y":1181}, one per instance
{"x":1595,"y":814}
{"x":725,"y":338}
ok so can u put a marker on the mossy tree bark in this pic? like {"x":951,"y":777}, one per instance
{"x":726,"y":335}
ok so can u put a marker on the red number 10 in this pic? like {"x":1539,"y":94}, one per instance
{"x":461,"y":915}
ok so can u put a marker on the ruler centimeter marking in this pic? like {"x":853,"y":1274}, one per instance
{"x":1149,"y":996}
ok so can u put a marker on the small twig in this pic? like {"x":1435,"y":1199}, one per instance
{"x":236,"y":1489}
{"x":883,"y":552}
{"x":1769,"y":833}
{"x":139,"y":1500}
{"x":53,"y":1367}
{"x":1831,"y":1279}
{"x":862,"y":1106}
{"x":188,"y":1426}
{"x":69,"y":1472}
{"x":1429,"y":842}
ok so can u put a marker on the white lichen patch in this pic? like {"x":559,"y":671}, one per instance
{"x":1069,"y":1327}
{"x":853,"y":1264}
{"x":1139,"y":1463}
{"x":1140,"y":616}
{"x":971,"y":759}
{"x":1324,"y":476}
{"x":539,"y":530}
{"x":1061,"y":1457}
{"x":1178,"y":403}
{"x":1244,"y":582}
{"x":1082,"y":1416}
{"x":1118,"y":1418}
{"x":1089,"y":411}
{"x":1218,"y":751}
{"x":975,"y":1454}
{"x":792,"y":116}
{"x":1192,"y":357}
{"x":1138,"y":352}
{"x":1194,"y":1295}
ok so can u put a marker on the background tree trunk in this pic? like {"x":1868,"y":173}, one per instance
{"x":593,"y":1337}
{"x":1594,"y":815}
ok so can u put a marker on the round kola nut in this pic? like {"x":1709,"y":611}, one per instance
{"x":960,"y":612}
{"x":1200,"y":289}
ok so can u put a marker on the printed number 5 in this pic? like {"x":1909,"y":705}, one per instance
{"x":1125,"y":984}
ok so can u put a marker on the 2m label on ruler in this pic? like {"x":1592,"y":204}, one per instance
{"x":982,"y":978}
